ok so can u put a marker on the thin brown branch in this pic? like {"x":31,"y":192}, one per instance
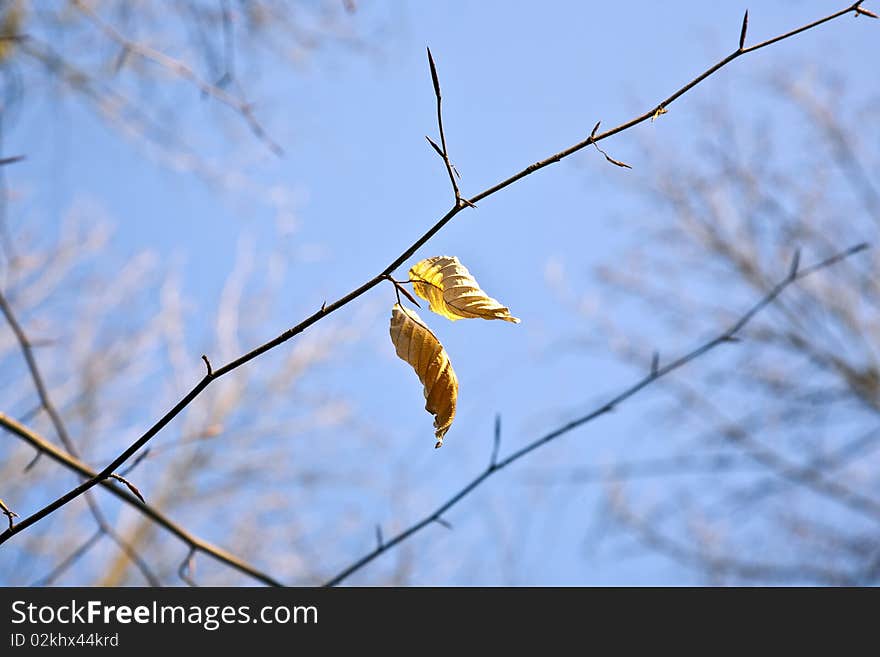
{"x":653,"y":376}
{"x":9,"y":513}
{"x":442,"y":151}
{"x":26,"y":346}
{"x":41,"y":444}
{"x":327,"y":309}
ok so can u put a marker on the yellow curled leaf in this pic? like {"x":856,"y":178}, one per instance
{"x":415,"y":344}
{"x":453,"y":292}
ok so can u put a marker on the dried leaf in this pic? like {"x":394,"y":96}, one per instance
{"x":451,"y":291}
{"x":415,"y":344}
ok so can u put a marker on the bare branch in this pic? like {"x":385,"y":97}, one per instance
{"x":134,"y":490}
{"x":187,"y":568}
{"x":742,"y":32}
{"x":194,"y":542}
{"x":371,"y":283}
{"x":442,"y":150}
{"x":11,"y":160}
{"x":496,"y":442}
{"x":71,"y":559}
{"x":589,"y":417}
{"x":9,"y":513}
{"x":26,"y":346}
{"x":611,"y":159}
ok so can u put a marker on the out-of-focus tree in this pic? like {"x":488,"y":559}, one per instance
{"x":111,"y":337}
{"x":129,"y":60}
{"x":764,"y":466}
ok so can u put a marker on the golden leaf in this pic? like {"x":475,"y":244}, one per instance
{"x":451,"y":291}
{"x":415,"y":344}
{"x":10,"y":27}
{"x":658,"y":113}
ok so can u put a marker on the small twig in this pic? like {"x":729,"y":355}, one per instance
{"x":33,"y":462}
{"x":208,"y":366}
{"x":9,"y":513}
{"x":228,"y":46}
{"x":442,"y":522}
{"x":187,"y":568}
{"x":137,"y":461}
{"x":745,"y":28}
{"x":398,"y":287}
{"x":134,"y":490}
{"x":380,"y":543}
{"x":655,"y":363}
{"x":795,"y":263}
{"x":611,"y":159}
{"x":442,"y":151}
{"x":11,"y":160}
{"x":496,"y":442}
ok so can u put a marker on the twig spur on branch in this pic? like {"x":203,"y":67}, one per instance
{"x":327,"y":309}
{"x":656,"y":372}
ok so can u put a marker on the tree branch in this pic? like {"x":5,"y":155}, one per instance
{"x":104,"y":525}
{"x":442,"y":151}
{"x":327,"y":309}
{"x":194,"y":542}
{"x":727,"y":336}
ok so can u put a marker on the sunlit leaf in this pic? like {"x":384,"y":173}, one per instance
{"x":415,"y":344}
{"x":453,"y":292}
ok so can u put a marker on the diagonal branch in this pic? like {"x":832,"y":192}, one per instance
{"x":104,"y":525}
{"x":727,"y":336}
{"x":327,"y":309}
{"x":74,"y":464}
{"x":9,"y":513}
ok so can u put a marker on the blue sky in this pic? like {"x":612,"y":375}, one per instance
{"x":520,"y":81}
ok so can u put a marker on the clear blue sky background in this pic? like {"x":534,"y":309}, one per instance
{"x":520,"y":81}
